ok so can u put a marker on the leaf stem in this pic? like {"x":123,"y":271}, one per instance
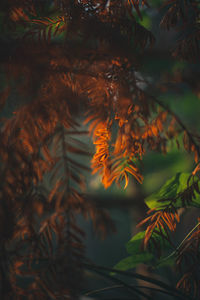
{"x":179,"y":246}
{"x":179,"y":121}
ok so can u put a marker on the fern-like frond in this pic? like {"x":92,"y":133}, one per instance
{"x":162,"y":222}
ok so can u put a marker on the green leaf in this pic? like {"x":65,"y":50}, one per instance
{"x":165,"y":261}
{"x":132,"y":261}
{"x":169,"y":191}
{"x":134,"y":245}
{"x":138,"y":255}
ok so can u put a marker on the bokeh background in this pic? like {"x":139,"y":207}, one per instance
{"x":175,"y":83}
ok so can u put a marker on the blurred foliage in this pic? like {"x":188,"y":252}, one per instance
{"x":116,"y":66}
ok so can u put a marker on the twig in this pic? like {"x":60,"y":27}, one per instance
{"x":179,"y":246}
{"x":122,"y":286}
{"x":178,"y":120}
{"x":156,"y":282}
{"x":131,"y":288}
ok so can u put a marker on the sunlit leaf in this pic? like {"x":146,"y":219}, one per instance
{"x":173,"y":192}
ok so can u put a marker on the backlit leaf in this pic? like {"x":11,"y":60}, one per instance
{"x":173,"y":191}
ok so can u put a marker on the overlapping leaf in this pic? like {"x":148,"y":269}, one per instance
{"x":179,"y":191}
{"x":145,"y":256}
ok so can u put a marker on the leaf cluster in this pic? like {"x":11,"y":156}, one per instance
{"x":76,"y":63}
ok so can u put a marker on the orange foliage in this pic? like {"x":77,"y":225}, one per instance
{"x":160,"y":221}
{"x":93,"y":71}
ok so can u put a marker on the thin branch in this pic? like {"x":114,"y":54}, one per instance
{"x":179,"y":121}
{"x":156,"y":282}
{"x":131,"y":288}
{"x":179,"y":246}
{"x":122,"y":286}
